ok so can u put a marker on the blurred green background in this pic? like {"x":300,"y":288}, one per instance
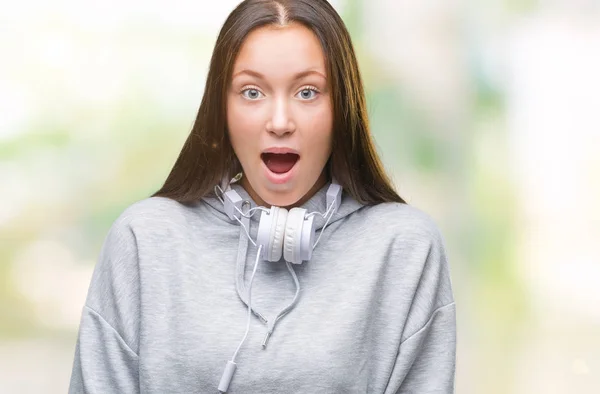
{"x":486,"y":114}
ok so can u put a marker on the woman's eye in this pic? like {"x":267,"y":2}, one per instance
{"x":307,"y":94}
{"x":251,"y":94}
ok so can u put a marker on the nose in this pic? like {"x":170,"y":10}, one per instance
{"x":280,"y":121}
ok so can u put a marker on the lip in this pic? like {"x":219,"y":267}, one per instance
{"x":280,"y":150}
{"x":279,"y":179}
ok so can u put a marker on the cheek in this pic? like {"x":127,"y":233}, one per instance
{"x":320,"y":127}
{"x":241,"y":122}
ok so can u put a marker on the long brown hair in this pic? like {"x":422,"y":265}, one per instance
{"x":208,"y":156}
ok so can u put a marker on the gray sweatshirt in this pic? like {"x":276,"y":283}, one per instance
{"x":166,"y":307}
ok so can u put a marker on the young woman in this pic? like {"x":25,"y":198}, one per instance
{"x":306,"y":273}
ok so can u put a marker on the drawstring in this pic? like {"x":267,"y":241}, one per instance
{"x":250,"y":303}
{"x":231,"y":365}
{"x":271,"y":326}
{"x":240,"y":286}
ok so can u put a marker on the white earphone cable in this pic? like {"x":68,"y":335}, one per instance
{"x":249,"y":303}
{"x":248,"y":214}
{"x":322,"y":214}
{"x":246,"y":231}
{"x":231,"y":365}
{"x":325,"y":225}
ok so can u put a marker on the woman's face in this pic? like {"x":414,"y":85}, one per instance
{"x":279,"y":114}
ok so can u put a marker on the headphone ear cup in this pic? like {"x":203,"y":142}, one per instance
{"x":293,"y":235}
{"x":271,"y":229}
{"x":277,"y":233}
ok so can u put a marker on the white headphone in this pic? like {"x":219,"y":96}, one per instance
{"x":281,"y":232}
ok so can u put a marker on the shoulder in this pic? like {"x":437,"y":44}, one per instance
{"x":401,"y":222}
{"x":151,"y":209}
{"x":153,"y":215}
{"x":416,"y":249}
{"x":411,"y":240}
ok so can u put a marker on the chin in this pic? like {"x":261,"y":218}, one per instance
{"x":287,"y":194}
{"x":281,"y":198}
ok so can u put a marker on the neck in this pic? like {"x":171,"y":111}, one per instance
{"x":321,"y":181}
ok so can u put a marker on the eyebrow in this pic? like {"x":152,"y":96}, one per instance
{"x":261,"y":76}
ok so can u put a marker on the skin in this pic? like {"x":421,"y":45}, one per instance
{"x":279,"y":97}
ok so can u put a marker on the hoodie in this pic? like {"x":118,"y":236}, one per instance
{"x":371,"y":312}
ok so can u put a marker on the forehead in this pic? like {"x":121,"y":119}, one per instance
{"x":279,"y":52}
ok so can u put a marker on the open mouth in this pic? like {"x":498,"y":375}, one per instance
{"x":280,"y":163}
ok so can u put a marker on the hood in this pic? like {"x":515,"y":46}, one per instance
{"x":316,"y":203}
